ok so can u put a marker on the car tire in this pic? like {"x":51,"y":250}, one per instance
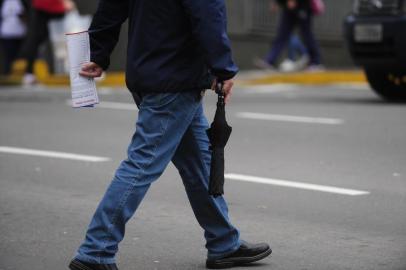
{"x":389,"y":84}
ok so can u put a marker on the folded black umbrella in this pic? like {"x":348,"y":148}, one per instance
{"x":219,"y":133}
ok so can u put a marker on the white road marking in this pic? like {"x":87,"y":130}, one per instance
{"x":113,"y":105}
{"x":270,"y":89}
{"x":290,"y":118}
{"x":52,"y":154}
{"x":298,"y":185}
{"x":349,"y":86}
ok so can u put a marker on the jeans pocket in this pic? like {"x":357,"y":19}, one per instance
{"x":157,"y":99}
{"x":167,"y":98}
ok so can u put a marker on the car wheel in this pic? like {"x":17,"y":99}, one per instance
{"x":389,"y":84}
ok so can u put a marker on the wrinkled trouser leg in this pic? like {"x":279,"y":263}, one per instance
{"x":305,"y":26}
{"x":192,"y":159}
{"x":285,"y":28}
{"x":162,"y":121}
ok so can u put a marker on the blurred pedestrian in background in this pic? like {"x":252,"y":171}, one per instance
{"x":12,"y":30}
{"x":295,"y":13}
{"x":42,"y":12}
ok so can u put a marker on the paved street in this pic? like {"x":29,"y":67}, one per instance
{"x":318,"y":172}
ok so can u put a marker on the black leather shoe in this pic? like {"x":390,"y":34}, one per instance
{"x":247,"y":253}
{"x":75,"y":264}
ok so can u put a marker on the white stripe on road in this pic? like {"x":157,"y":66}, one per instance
{"x":237,"y":177}
{"x":270,"y":89}
{"x":290,"y":118}
{"x":298,"y":185}
{"x":113,"y":105}
{"x":41,"y":153}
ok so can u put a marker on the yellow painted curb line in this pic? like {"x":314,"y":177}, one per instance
{"x":44,"y":77}
{"x":322,"y":77}
{"x":117,"y":79}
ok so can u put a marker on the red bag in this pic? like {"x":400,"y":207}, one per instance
{"x":50,"y":6}
{"x":318,"y":7}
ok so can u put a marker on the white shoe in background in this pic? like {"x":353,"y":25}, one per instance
{"x":29,"y":79}
{"x":302,"y":62}
{"x":288,"y":66}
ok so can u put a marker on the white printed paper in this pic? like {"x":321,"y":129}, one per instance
{"x":84,"y":93}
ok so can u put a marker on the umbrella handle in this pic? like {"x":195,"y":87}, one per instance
{"x":220,"y":93}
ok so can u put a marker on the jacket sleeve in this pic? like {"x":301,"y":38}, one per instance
{"x":209,"y":25}
{"x":105,"y":28}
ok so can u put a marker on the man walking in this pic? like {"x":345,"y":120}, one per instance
{"x":176,"y":49}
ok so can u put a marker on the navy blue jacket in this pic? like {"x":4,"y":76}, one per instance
{"x":173,"y":45}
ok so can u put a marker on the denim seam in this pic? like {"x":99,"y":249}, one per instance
{"x":86,"y":258}
{"x":222,"y":255}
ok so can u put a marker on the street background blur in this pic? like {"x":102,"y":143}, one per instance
{"x":315,"y":164}
{"x":252,"y":27}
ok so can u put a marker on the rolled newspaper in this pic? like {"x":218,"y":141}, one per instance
{"x":84,"y":93}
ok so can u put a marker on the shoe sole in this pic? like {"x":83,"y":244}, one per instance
{"x":75,"y":265}
{"x":238,"y":261}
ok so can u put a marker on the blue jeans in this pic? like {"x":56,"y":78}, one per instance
{"x":169,"y":127}
{"x":296,"y":49}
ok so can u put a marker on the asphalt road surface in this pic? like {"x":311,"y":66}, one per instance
{"x":318,"y":172}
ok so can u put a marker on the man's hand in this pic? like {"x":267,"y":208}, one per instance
{"x":292,"y":4}
{"x":91,"y":70}
{"x":273,"y":6}
{"x":227,"y":88}
{"x":69,"y":5}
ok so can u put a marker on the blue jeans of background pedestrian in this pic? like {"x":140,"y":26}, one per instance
{"x":296,"y":49}
{"x":170,"y":126}
{"x":288,"y":21}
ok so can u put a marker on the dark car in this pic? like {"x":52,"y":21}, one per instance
{"x":376,"y":35}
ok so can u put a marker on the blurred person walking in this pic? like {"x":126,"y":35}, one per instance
{"x":12,"y":30}
{"x":42,"y":12}
{"x":176,"y":49}
{"x":295,"y":13}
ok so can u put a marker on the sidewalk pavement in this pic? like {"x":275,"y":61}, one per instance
{"x":249,"y":77}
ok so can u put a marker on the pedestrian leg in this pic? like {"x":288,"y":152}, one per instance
{"x":305,"y":26}
{"x":162,"y":121}
{"x":192,"y":159}
{"x":284,"y":32}
{"x":37,"y":34}
{"x":295,"y":48}
{"x":11,"y":49}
